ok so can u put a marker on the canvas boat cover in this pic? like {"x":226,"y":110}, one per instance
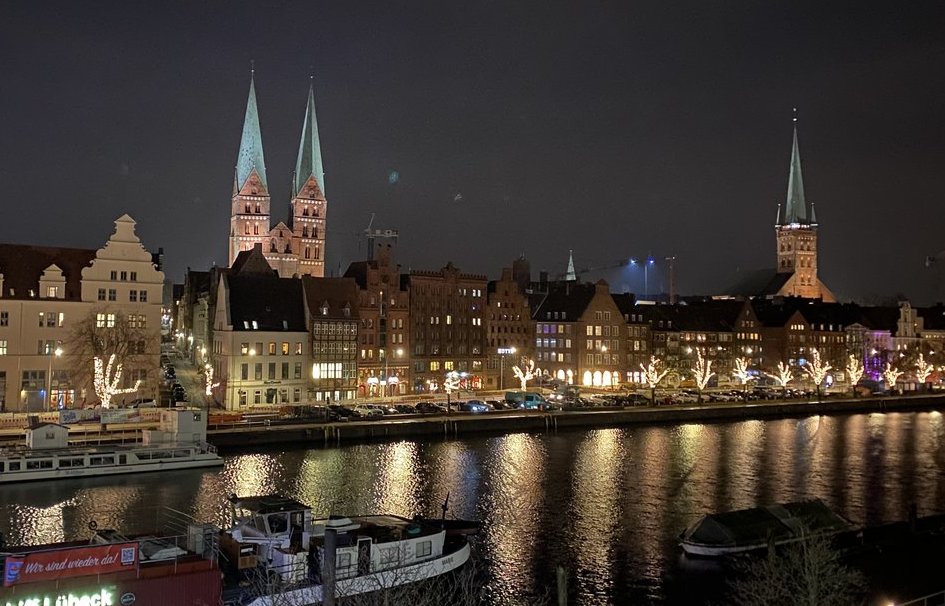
{"x":760,"y":525}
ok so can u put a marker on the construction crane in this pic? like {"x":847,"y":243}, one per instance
{"x":372,"y":234}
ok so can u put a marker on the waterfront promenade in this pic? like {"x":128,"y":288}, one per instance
{"x":235,"y":429}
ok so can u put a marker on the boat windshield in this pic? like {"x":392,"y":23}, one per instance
{"x":278,"y":522}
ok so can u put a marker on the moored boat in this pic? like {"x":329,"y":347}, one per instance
{"x":278,"y":540}
{"x":180,"y":443}
{"x":745,"y":530}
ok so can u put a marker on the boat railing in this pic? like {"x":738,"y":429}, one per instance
{"x":933,"y":599}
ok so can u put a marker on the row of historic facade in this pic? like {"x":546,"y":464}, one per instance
{"x":378,"y":331}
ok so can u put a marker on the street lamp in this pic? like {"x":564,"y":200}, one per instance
{"x":58,"y":353}
{"x":503,"y":351}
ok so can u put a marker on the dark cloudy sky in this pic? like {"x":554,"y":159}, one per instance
{"x":616,"y":128}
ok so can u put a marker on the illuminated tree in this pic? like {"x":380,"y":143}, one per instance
{"x":110,"y":350}
{"x":891,"y":375}
{"x":653,"y":373}
{"x":526,"y":372}
{"x":702,"y":372}
{"x":107,"y":379}
{"x":854,"y":371}
{"x":923,"y":369}
{"x":208,"y":378}
{"x":740,"y":372}
{"x":783,"y":376}
{"x":817,"y":369}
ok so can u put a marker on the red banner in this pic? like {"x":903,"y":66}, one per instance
{"x":66,"y":563}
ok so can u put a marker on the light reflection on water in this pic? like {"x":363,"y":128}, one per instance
{"x":607,"y":504}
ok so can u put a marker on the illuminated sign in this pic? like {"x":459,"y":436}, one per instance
{"x":101,"y":597}
{"x":67,"y":563}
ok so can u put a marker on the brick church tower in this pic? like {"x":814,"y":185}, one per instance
{"x":249,"y":211}
{"x":796,"y":231}
{"x":295,"y":249}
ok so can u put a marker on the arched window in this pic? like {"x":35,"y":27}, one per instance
{"x":272,"y":245}
{"x":308,"y":253}
{"x":246,"y":229}
{"x":255,"y":229}
{"x":305,"y":231}
{"x":316,"y":252}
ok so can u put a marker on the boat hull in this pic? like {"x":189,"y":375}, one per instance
{"x":384,"y":579}
{"x":61,"y":474}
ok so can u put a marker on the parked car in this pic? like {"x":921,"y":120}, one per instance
{"x":474,"y":406}
{"x":368,"y":412}
{"x":405,"y":409}
{"x":142,"y":403}
{"x":430,"y":408}
{"x":343,"y":412}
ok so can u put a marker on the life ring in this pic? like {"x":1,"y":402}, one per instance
{"x":93,"y":524}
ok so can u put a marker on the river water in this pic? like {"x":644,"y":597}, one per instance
{"x":606,"y":504}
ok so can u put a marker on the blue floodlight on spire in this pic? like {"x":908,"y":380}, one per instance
{"x":309,"y":162}
{"x":251,"y":148}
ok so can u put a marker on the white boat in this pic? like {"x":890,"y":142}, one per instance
{"x":277,"y":539}
{"x":180,"y":443}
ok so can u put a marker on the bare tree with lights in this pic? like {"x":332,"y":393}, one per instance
{"x":702,"y":372}
{"x":784,"y":376}
{"x":923,"y":369}
{"x":891,"y":376}
{"x":107,"y":379}
{"x":854,"y":371}
{"x":104,"y":345}
{"x":741,"y":373}
{"x":817,"y":369}
{"x":526,"y":372}
{"x":653,"y":373}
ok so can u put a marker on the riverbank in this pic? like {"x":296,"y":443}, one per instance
{"x":462,"y":424}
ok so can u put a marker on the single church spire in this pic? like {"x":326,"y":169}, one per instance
{"x":251,"y":149}
{"x":309,"y":162}
{"x":795,"y":209}
{"x":571,"y":276}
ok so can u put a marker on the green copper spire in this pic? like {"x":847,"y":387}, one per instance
{"x":251,"y":149}
{"x":310,"y":153}
{"x":795,"y":209}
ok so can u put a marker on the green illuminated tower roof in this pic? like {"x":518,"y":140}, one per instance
{"x":251,"y":148}
{"x":309,"y":162}
{"x":795,"y":208}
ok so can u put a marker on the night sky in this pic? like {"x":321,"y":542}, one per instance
{"x":482,"y":130}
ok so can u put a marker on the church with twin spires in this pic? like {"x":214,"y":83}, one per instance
{"x":296,"y":248}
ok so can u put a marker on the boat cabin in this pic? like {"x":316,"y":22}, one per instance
{"x":47,"y":435}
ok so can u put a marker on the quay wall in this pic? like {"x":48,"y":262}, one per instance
{"x":455,"y":425}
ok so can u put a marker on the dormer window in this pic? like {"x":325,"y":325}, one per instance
{"x":325,"y":309}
